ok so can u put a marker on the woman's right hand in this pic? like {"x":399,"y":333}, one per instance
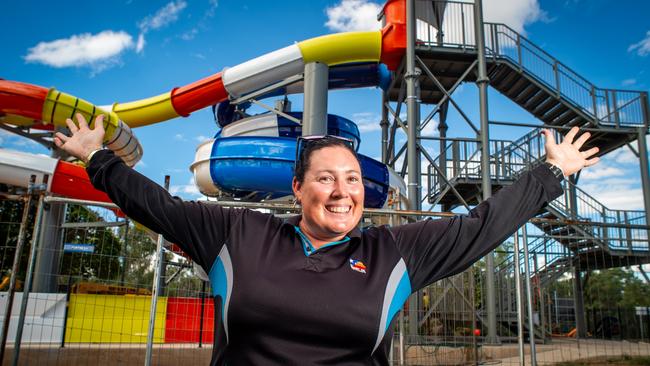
{"x":83,"y":140}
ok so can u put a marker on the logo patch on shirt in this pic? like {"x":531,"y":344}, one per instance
{"x":357,"y":266}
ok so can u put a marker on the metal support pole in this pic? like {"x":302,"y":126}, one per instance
{"x":201,"y":318}
{"x":314,"y":117}
{"x":47,"y":264}
{"x":157,"y":280}
{"x":11,"y":292}
{"x":519,"y":302}
{"x":482,"y":81}
{"x":125,"y":254}
{"x":385,"y":156}
{"x":542,"y":309}
{"x":413,"y":121}
{"x":529,"y":299}
{"x":578,"y":298}
{"x":645,"y":171}
{"x":28,"y":279}
{"x":46,"y":268}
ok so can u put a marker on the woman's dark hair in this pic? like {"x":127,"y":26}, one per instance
{"x":309,"y":146}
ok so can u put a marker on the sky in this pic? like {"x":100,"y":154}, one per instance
{"x":119,"y":51}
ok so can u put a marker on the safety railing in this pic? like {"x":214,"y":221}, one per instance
{"x":609,"y":107}
{"x":462,"y":160}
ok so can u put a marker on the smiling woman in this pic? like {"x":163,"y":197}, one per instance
{"x":314,"y":288}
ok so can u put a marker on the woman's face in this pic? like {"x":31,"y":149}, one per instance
{"x":331,"y":194}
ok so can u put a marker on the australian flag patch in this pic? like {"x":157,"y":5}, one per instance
{"x":357,"y":266}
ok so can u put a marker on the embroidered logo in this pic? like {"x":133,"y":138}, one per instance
{"x":357,"y":266}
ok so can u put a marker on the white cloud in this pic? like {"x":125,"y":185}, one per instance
{"x":179,"y":137}
{"x":140,"y":44}
{"x":202,"y":138}
{"x":98,"y":51}
{"x":514,"y":13}
{"x":140,"y":164}
{"x":190,"y":34}
{"x":367,"y":121}
{"x":642,"y":48}
{"x":623,"y":155}
{"x":628,"y":82}
{"x":164,"y":16}
{"x":189,"y":190}
{"x":601,"y":171}
{"x":353,"y":15}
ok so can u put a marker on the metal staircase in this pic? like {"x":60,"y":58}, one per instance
{"x":529,"y":76}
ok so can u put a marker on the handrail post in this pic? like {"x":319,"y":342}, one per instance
{"x":595,"y":104}
{"x":557,"y":78}
{"x":645,"y":109}
{"x":519,"y":50}
{"x":617,"y":117}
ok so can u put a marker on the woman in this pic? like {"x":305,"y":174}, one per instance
{"x":314,"y":289}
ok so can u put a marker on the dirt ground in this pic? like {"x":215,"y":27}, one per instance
{"x":609,"y":361}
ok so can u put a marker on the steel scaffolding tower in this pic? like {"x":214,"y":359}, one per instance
{"x":449,"y":43}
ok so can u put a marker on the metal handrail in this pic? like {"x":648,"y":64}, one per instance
{"x":611,"y":107}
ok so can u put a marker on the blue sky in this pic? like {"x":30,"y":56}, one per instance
{"x":134,"y":49}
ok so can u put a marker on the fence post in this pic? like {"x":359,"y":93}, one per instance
{"x":30,"y":277}
{"x":11,"y":291}
{"x":202,"y":311}
{"x":157,"y":280}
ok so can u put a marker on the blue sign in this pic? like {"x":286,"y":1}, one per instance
{"x":78,"y":248}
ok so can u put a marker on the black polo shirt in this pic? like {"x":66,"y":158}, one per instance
{"x":278,"y":301}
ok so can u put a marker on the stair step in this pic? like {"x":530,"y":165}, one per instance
{"x":536,"y":100}
{"x":526,"y":94}
{"x":499,"y":73}
{"x":519,"y":86}
{"x":565,"y":118}
{"x":507,"y":82}
{"x":554,"y":113}
{"x":550,"y":103}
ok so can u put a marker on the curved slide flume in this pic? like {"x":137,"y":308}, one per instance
{"x":265,"y":146}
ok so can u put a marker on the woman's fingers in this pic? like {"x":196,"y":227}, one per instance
{"x":568,"y":138}
{"x":82,"y":121}
{"x":592,"y":161}
{"x":590,"y":152}
{"x":99,"y":122}
{"x":71,"y":126}
{"x":58,"y":141}
{"x":581,"y":140}
{"x":61,"y":137}
{"x":549,"y":138}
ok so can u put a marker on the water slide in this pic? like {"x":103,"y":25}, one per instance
{"x":32,"y":106}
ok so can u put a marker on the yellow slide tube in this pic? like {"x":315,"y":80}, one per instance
{"x":340,"y":48}
{"x":59,"y":106}
{"x":146,"y":111}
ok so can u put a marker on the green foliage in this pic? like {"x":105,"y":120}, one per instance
{"x":10,"y":218}
{"x":104,"y":263}
{"x":616,"y":287}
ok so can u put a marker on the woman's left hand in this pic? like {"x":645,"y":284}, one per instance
{"x":567,"y":155}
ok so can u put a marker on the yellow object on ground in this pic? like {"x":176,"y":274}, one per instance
{"x":334,"y":49}
{"x":113,"y":319}
{"x":146,"y":111}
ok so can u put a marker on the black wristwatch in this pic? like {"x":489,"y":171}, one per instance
{"x":557,"y":172}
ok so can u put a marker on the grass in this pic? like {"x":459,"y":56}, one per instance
{"x":609,"y":361}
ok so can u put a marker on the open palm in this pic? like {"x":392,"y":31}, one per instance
{"x":567,"y":155}
{"x":84,"y":140}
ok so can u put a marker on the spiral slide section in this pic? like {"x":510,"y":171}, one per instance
{"x":265,"y":146}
